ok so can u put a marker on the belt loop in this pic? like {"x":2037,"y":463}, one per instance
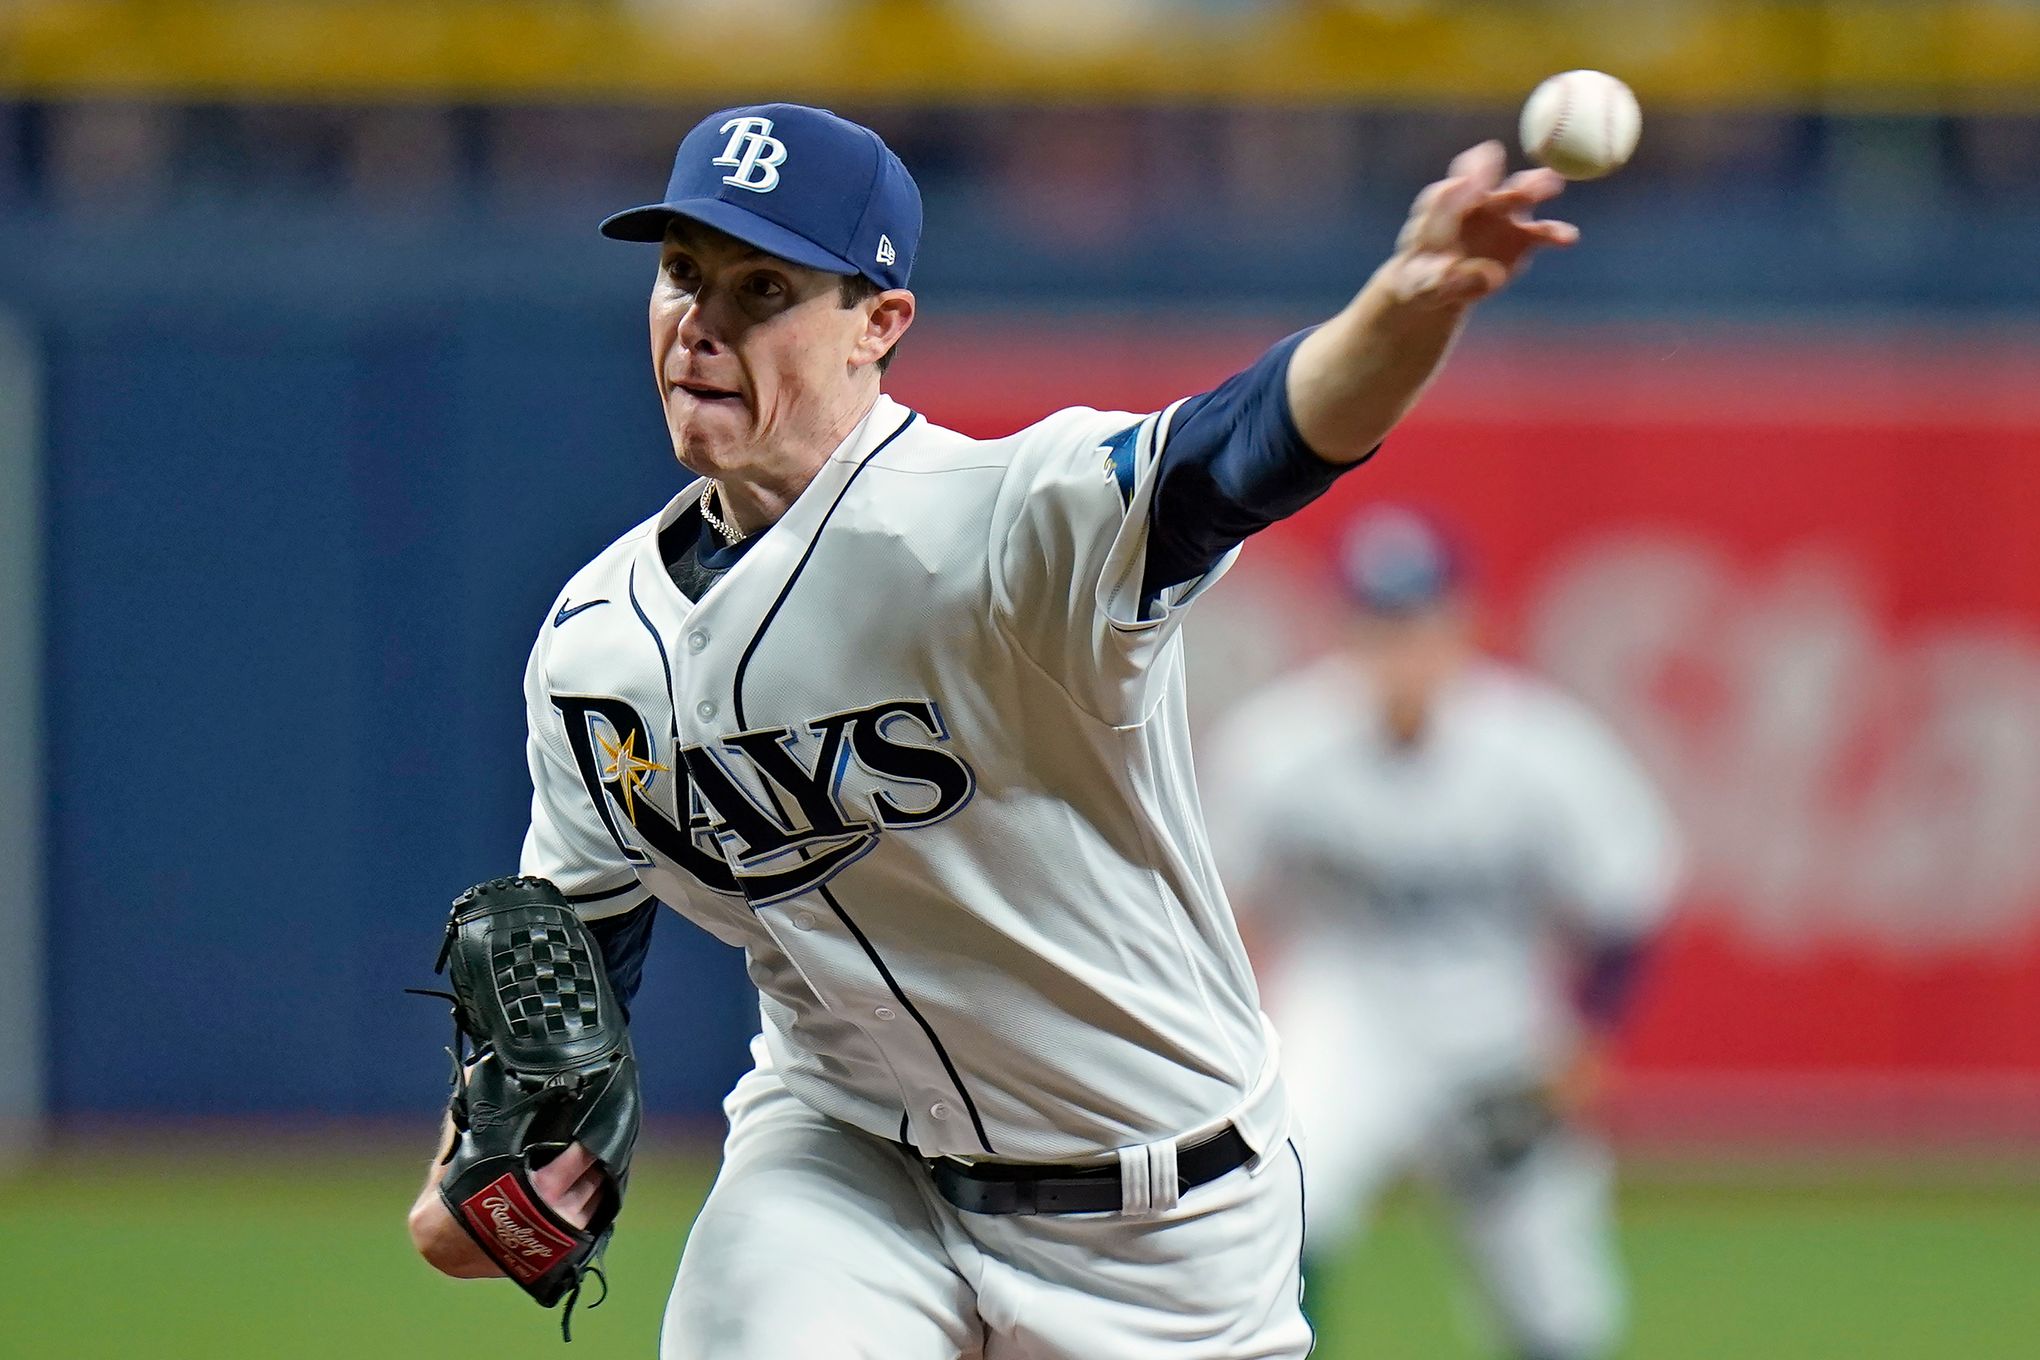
{"x":1135,"y":1187}
{"x":1149,"y":1182}
{"x":1165,"y":1186}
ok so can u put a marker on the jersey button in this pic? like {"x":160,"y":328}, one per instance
{"x":705,"y":709}
{"x":803,"y":920}
{"x":884,"y":1012}
{"x":696,"y":640}
{"x":939,"y":1110}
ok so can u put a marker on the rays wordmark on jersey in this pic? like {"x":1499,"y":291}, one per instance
{"x":765,"y":813}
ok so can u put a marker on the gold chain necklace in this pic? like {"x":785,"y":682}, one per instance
{"x":731,"y":534}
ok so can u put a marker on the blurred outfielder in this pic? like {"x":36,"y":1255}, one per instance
{"x":1455,"y":868}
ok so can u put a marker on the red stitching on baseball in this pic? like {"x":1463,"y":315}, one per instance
{"x":1558,"y":120}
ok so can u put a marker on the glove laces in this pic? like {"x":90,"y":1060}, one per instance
{"x":567,"y":1316}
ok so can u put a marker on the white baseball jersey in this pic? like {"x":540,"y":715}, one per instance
{"x":1440,"y":870}
{"x":922,"y":754}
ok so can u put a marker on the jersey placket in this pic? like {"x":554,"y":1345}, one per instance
{"x":815,"y":931}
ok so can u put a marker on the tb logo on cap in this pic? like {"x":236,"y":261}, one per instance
{"x":755,"y":152}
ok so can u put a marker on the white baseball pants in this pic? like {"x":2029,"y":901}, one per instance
{"x":1378,"y":1101}
{"x":823,"y":1242}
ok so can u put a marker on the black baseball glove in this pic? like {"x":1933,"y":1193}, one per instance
{"x":542,"y":1059}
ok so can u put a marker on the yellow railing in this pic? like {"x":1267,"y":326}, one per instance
{"x":1873,"y":54}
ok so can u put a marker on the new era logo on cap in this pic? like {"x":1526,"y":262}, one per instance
{"x":796,"y":182}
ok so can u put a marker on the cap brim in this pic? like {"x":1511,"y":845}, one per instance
{"x":649,"y":224}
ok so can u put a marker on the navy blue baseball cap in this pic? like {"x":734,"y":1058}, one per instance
{"x":1398,"y":560}
{"x":795,"y":182}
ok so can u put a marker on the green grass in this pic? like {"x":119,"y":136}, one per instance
{"x":169,"y":1257}
{"x":1872,"y":1270}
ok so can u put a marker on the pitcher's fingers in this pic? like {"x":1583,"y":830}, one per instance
{"x":1517,"y":203}
{"x":1482,"y":163}
{"x":1436,"y":221}
{"x":1420,"y":209}
{"x":1426,"y":196}
{"x":1438,"y":228}
{"x":592,"y":1179}
{"x":562,"y":1171}
{"x":574,"y":1160}
{"x":1553,"y":232}
{"x":1540,"y":184}
{"x":577,"y":1205}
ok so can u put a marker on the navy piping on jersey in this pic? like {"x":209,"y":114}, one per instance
{"x":737,"y":707}
{"x":956,"y":1078}
{"x":583,"y":899}
{"x":1607,"y":983}
{"x":744,"y":662}
{"x":665,"y":664}
{"x":893,"y":986}
{"x":742,"y":545}
{"x":1303,"y":1231}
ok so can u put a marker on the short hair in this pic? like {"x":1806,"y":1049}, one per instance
{"x":855,"y":288}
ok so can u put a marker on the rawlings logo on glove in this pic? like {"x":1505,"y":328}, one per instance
{"x":503,"y":1212}
{"x":542,"y":1061}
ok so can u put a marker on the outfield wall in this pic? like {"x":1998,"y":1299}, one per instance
{"x":293,"y":572}
{"x":22,"y":1009}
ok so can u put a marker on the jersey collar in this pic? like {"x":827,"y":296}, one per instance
{"x":783,"y":543}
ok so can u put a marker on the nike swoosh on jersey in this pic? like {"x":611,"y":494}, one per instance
{"x":566,"y":613}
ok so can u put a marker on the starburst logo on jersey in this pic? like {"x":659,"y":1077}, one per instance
{"x":755,"y":152}
{"x":776,"y":811}
{"x":629,"y":770}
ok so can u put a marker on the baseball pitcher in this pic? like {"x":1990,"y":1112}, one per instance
{"x":900,"y":714}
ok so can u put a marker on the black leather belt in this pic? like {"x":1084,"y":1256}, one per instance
{"x":1021,"y":1188}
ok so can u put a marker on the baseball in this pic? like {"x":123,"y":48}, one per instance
{"x":1583,"y":124}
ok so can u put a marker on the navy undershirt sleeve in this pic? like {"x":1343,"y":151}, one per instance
{"x":1233,"y":465}
{"x":626,"y":939}
{"x":1607,"y":981}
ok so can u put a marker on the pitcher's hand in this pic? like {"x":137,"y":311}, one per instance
{"x":1472,"y":232}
